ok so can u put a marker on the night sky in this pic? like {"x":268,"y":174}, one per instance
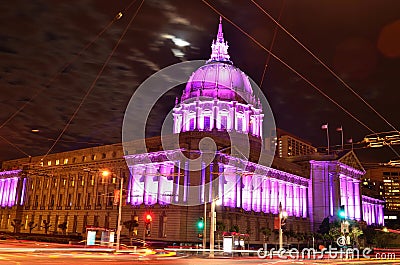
{"x":359,"y":40}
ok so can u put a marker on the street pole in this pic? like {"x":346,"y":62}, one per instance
{"x":212,"y":226}
{"x":119,"y":228}
{"x":205,"y":228}
{"x":280,"y":227}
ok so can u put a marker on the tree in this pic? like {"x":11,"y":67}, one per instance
{"x":289,"y":234}
{"x":355,"y":233}
{"x":31,"y":226}
{"x":16,"y":223}
{"x":46,"y":225}
{"x":324,"y":227}
{"x":220,"y":226}
{"x":300,"y":237}
{"x":266,"y":231}
{"x":131,"y":225}
{"x":234,"y":228}
{"x":63,"y":227}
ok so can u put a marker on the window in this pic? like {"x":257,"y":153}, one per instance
{"x":96,"y":221}
{"x":224,"y":122}
{"x":44,"y":200}
{"x":93,"y":157}
{"x":49,"y":163}
{"x":57,"y":162}
{"x":88,"y":199}
{"x":36,"y":200}
{"x":191,"y":124}
{"x":40,"y":222}
{"x":60,"y":198}
{"x":239,"y":124}
{"x":26,"y":221}
{"x":56,"y":223}
{"x":98,"y":199}
{"x":85,"y":217}
{"x":52,"y":200}
{"x":207,"y":123}
{"x":69,"y":202}
{"x":72,"y":181}
{"x":106,"y":221}
{"x":65,"y":161}
{"x":110,"y":200}
{"x":163,"y":226}
{"x":83,"y":158}
{"x":78,"y":199}
{"x":80,"y":180}
{"x":103,"y":156}
{"x":75,"y":224}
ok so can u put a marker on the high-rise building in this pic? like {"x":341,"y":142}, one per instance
{"x":289,"y":145}
{"x":385,"y":180}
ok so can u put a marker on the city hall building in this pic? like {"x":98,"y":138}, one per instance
{"x":217,"y":102}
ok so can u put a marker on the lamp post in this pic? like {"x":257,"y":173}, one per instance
{"x":120,"y":213}
{"x":106,"y":173}
{"x":282,"y":217}
{"x":212,"y":227}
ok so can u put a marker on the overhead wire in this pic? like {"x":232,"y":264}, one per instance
{"x":272,"y":44}
{"x":324,"y":65}
{"x":94,"y":81}
{"x":293,"y":70}
{"x":63,"y":69}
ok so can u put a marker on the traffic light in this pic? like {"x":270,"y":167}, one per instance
{"x":283,"y":223}
{"x":147,"y":221}
{"x":341,"y":212}
{"x":200,"y":223}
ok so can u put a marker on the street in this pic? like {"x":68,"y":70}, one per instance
{"x":31,"y":252}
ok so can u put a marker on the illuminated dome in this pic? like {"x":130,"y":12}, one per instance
{"x":218,"y":96}
{"x":219,"y":78}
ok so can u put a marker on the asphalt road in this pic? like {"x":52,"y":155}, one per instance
{"x":31,"y":253}
{"x":104,"y":258}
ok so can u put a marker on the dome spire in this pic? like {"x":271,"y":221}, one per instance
{"x":220,"y":35}
{"x":219,"y":47}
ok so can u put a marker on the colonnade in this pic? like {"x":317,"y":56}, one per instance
{"x":372,"y":210}
{"x":165,"y":183}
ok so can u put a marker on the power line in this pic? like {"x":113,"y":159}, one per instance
{"x":293,"y":70}
{"x":272,"y":44}
{"x":324,"y":65}
{"x":94,"y":81}
{"x":55,"y":77}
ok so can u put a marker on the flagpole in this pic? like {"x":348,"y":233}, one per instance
{"x":327,"y":136}
{"x":341,"y":130}
{"x":342,"y":141}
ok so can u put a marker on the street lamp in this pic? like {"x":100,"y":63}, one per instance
{"x":106,"y":173}
{"x":282,"y":218}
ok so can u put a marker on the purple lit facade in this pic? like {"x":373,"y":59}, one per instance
{"x":336,"y":183}
{"x":10,"y":184}
{"x":159,"y":182}
{"x":373,"y":210}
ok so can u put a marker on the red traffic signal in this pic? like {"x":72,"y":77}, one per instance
{"x":148,"y":218}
